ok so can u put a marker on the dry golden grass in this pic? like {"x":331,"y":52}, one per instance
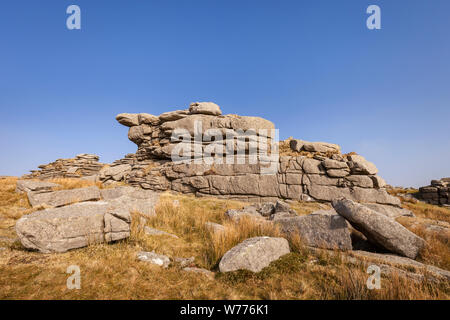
{"x":429,"y":211}
{"x":111,"y":271}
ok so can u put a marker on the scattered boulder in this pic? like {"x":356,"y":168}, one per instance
{"x":73,"y":226}
{"x":184,"y":262}
{"x":254,"y":254}
{"x":379,"y":229}
{"x":35,"y":186}
{"x":63,"y":197}
{"x":154,"y":258}
{"x":321,"y":229}
{"x":248,"y":212}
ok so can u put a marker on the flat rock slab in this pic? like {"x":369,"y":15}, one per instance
{"x":154,"y":258}
{"x":380,"y":229}
{"x":254,"y":254}
{"x":63,"y":197}
{"x":435,"y":272}
{"x":73,"y":226}
{"x":113,"y":193}
{"x":202,"y":271}
{"x":132,"y":204}
{"x":155,"y":232}
{"x":35,"y":186}
{"x":324,"y":229}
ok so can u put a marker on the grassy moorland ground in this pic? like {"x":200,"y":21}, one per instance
{"x":111,"y":271}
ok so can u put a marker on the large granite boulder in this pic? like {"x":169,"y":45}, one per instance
{"x":63,"y":197}
{"x":73,"y":226}
{"x":254,"y":254}
{"x":322,"y":229}
{"x":380,"y":229}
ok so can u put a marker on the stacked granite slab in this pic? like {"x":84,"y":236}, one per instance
{"x":157,"y":136}
{"x":437,"y":193}
{"x":312,"y":171}
{"x":83,"y":165}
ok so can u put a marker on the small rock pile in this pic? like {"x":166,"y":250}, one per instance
{"x":438,"y":193}
{"x":83,"y":165}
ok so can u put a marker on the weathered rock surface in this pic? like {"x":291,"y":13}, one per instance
{"x":435,"y":273}
{"x":35,"y":186}
{"x":254,"y":254}
{"x":202,"y":271}
{"x":154,"y":258}
{"x":248,"y":212}
{"x":389,"y":211}
{"x":323,"y":229}
{"x":155,"y":232}
{"x":73,"y":226}
{"x":379,"y":229}
{"x":63,"y":197}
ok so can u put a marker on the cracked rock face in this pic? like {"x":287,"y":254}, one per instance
{"x":73,"y":226}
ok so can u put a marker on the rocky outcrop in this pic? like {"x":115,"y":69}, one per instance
{"x":73,"y":226}
{"x":83,"y":165}
{"x":254,"y":254}
{"x":438,"y":193}
{"x":310,"y":171}
{"x":380,"y":229}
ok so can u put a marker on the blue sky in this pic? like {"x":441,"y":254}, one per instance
{"x":312,"y":67}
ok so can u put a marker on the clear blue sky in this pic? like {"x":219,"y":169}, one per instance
{"x":312,"y":67}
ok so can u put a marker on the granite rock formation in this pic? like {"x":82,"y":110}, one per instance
{"x":438,"y":193}
{"x":310,"y":171}
{"x":83,"y":165}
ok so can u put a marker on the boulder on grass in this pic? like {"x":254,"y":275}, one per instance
{"x":73,"y":226}
{"x":380,"y":229}
{"x":254,"y":254}
{"x":326,"y":230}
